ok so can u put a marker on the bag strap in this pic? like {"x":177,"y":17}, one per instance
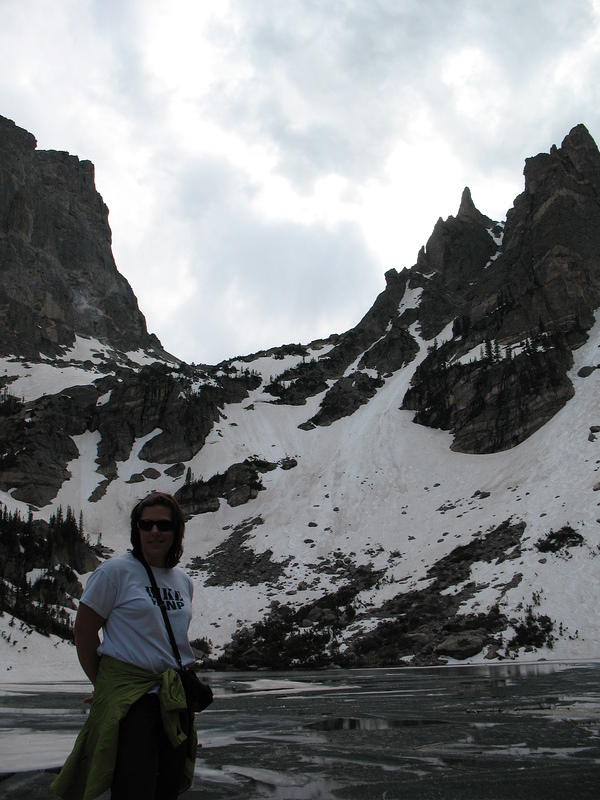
{"x":161,"y":605}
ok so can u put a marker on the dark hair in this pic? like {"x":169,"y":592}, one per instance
{"x":160,"y":499}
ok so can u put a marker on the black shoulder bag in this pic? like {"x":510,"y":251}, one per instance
{"x":198,"y":695}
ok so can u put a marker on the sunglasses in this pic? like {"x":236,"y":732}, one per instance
{"x":163,"y":525}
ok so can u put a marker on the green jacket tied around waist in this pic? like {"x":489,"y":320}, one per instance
{"x":89,"y":769}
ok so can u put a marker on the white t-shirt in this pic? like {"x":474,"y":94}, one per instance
{"x":120,"y":591}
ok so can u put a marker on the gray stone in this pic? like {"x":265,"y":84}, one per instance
{"x":241,"y":495}
{"x":461,"y":645}
{"x":585,"y":372}
{"x":176,"y":470}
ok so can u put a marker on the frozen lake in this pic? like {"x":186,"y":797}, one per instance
{"x":499,"y":732}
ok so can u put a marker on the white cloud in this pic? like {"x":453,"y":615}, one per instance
{"x":477,"y":86}
{"x":577,"y":67}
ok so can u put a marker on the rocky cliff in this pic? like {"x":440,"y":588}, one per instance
{"x":57,"y":273}
{"x":520,"y":296}
{"x":526,"y":302}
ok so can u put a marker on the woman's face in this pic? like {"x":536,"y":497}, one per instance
{"x":155,"y":543}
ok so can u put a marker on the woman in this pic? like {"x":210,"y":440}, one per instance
{"x":135,"y":740}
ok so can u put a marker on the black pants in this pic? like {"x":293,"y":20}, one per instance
{"x":147,"y":767}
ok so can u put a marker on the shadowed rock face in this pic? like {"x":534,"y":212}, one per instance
{"x":536,"y":298}
{"x":550,"y":262}
{"x":491,"y":405}
{"x":57,"y":272}
{"x":36,"y":442}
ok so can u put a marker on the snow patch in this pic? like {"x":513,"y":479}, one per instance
{"x":410,"y":299}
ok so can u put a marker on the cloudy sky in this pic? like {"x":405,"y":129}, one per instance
{"x":266,"y":161}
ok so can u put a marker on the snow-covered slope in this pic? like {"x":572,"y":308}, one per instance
{"x":373,"y":487}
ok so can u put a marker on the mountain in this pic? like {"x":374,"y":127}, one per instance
{"x":58,"y":273}
{"x":417,"y":489}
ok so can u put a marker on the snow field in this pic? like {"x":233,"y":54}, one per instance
{"x":374,"y":484}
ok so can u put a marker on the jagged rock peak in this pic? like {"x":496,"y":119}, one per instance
{"x":459,"y":246}
{"x":575,"y":160}
{"x":12,"y":137}
{"x":468,"y":211}
{"x":582,"y":150}
{"x":579,"y":138}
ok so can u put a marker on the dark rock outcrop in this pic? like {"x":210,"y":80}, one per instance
{"x":54,"y":550}
{"x":344,"y":397}
{"x":380,"y":341}
{"x":36,"y":442}
{"x":57,"y":273}
{"x":237,"y":485}
{"x":561,"y":540}
{"x":426,"y":623}
{"x":538,"y":295}
{"x":490,"y":405}
{"x":299,"y":637}
{"x":235,"y":562}
{"x":157,"y":398}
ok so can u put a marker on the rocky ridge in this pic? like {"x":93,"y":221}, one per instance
{"x":477,"y":339}
{"x":520,"y":296}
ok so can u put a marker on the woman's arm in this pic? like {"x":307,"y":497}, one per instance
{"x":87,"y":641}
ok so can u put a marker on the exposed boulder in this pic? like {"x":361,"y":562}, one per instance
{"x":462,"y":645}
{"x":176,"y":470}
